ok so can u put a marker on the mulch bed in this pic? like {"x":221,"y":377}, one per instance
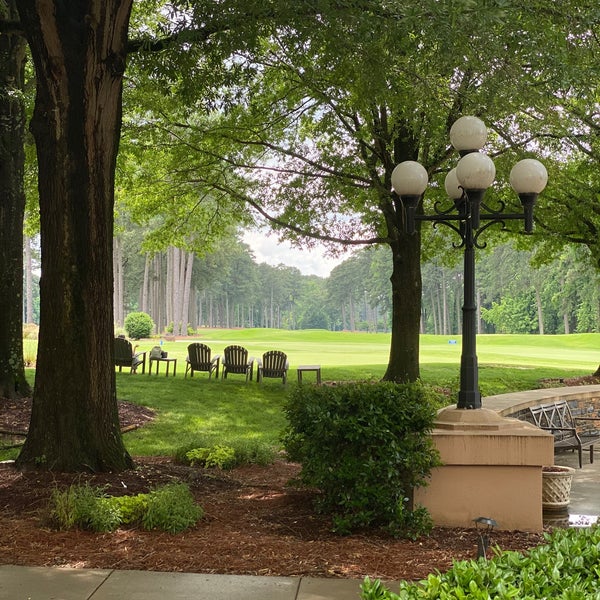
{"x":255,"y":523}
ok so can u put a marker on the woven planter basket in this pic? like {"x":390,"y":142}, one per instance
{"x":556,"y":487}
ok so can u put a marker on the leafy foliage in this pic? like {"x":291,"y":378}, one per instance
{"x":83,"y":506}
{"x":365,"y":447}
{"x":566,"y":567}
{"x":227,"y":455}
{"x":170,"y":508}
{"x":217,"y":456}
{"x":138,"y":325}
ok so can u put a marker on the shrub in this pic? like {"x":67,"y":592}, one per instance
{"x":171,"y":508}
{"x":131,"y":508}
{"x":231,"y":453}
{"x":138,"y":325}
{"x":566,"y":567}
{"x":222,"y":457}
{"x":84,"y":506}
{"x":365,"y":447}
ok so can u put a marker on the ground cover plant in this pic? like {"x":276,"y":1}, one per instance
{"x":565,"y":567}
{"x":170,"y":507}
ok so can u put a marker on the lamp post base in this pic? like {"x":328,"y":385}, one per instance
{"x":469,"y":399}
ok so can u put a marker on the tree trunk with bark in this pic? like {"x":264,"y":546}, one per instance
{"x":403,"y":365}
{"x":79,"y":50}
{"x":12,"y":208}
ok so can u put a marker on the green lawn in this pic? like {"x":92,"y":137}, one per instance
{"x":193,"y":410}
{"x":344,"y":349}
{"x":221,"y":409}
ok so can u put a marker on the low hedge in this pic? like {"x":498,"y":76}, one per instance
{"x":365,"y":447}
{"x":567,"y":567}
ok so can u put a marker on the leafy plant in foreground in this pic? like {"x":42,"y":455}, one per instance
{"x":365,"y":447}
{"x":567,"y":567}
{"x":170,"y":508}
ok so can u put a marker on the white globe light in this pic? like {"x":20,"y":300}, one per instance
{"x":528,"y":176}
{"x":452,"y":186}
{"x":468,"y":133}
{"x":409,"y":178}
{"x":475,"y":171}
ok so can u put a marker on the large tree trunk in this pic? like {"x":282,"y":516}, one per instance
{"x":403,"y":365}
{"x":12,"y":208}
{"x":78,"y":48}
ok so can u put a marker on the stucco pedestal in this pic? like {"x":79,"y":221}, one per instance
{"x":492,"y":467}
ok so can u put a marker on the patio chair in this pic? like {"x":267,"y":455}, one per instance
{"x":235,"y":360}
{"x":199,"y":359}
{"x":273,"y":364}
{"x":126,"y":356}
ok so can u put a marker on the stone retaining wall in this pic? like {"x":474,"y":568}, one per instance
{"x":584,"y":401}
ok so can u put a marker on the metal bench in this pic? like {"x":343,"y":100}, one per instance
{"x":568,"y":433}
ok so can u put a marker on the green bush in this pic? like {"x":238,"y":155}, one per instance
{"x":138,"y":325}
{"x":566,"y":567}
{"x":84,"y":506}
{"x":131,"y":508}
{"x":171,"y":508}
{"x":232,"y":453}
{"x":365,"y":447}
{"x":222,"y":457}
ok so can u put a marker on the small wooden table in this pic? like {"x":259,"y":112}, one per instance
{"x":165,"y":360}
{"x":307,"y":369}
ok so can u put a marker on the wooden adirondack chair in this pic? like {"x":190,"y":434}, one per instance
{"x":273,"y":364}
{"x":199,"y":359}
{"x":126,"y":356}
{"x":235,"y":360}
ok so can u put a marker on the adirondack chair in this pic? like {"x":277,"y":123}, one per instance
{"x":126,"y":356}
{"x":199,"y":359}
{"x":273,"y":364}
{"x":235,"y":360}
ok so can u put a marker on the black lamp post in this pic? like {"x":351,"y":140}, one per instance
{"x":466,"y":185}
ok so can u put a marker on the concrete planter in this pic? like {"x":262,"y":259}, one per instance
{"x":556,"y":487}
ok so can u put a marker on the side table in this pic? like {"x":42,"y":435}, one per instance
{"x":165,"y":360}
{"x":307,"y":369}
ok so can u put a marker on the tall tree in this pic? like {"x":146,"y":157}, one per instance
{"x":78,"y":49}
{"x":12,"y":205}
{"x":327,"y":114}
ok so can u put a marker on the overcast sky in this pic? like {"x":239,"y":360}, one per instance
{"x":268,"y":249}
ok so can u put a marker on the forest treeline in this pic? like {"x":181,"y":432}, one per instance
{"x":228,"y":288}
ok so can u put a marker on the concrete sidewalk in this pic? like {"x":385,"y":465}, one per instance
{"x":39,"y":583}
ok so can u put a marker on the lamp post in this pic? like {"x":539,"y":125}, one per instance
{"x":469,"y":217}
